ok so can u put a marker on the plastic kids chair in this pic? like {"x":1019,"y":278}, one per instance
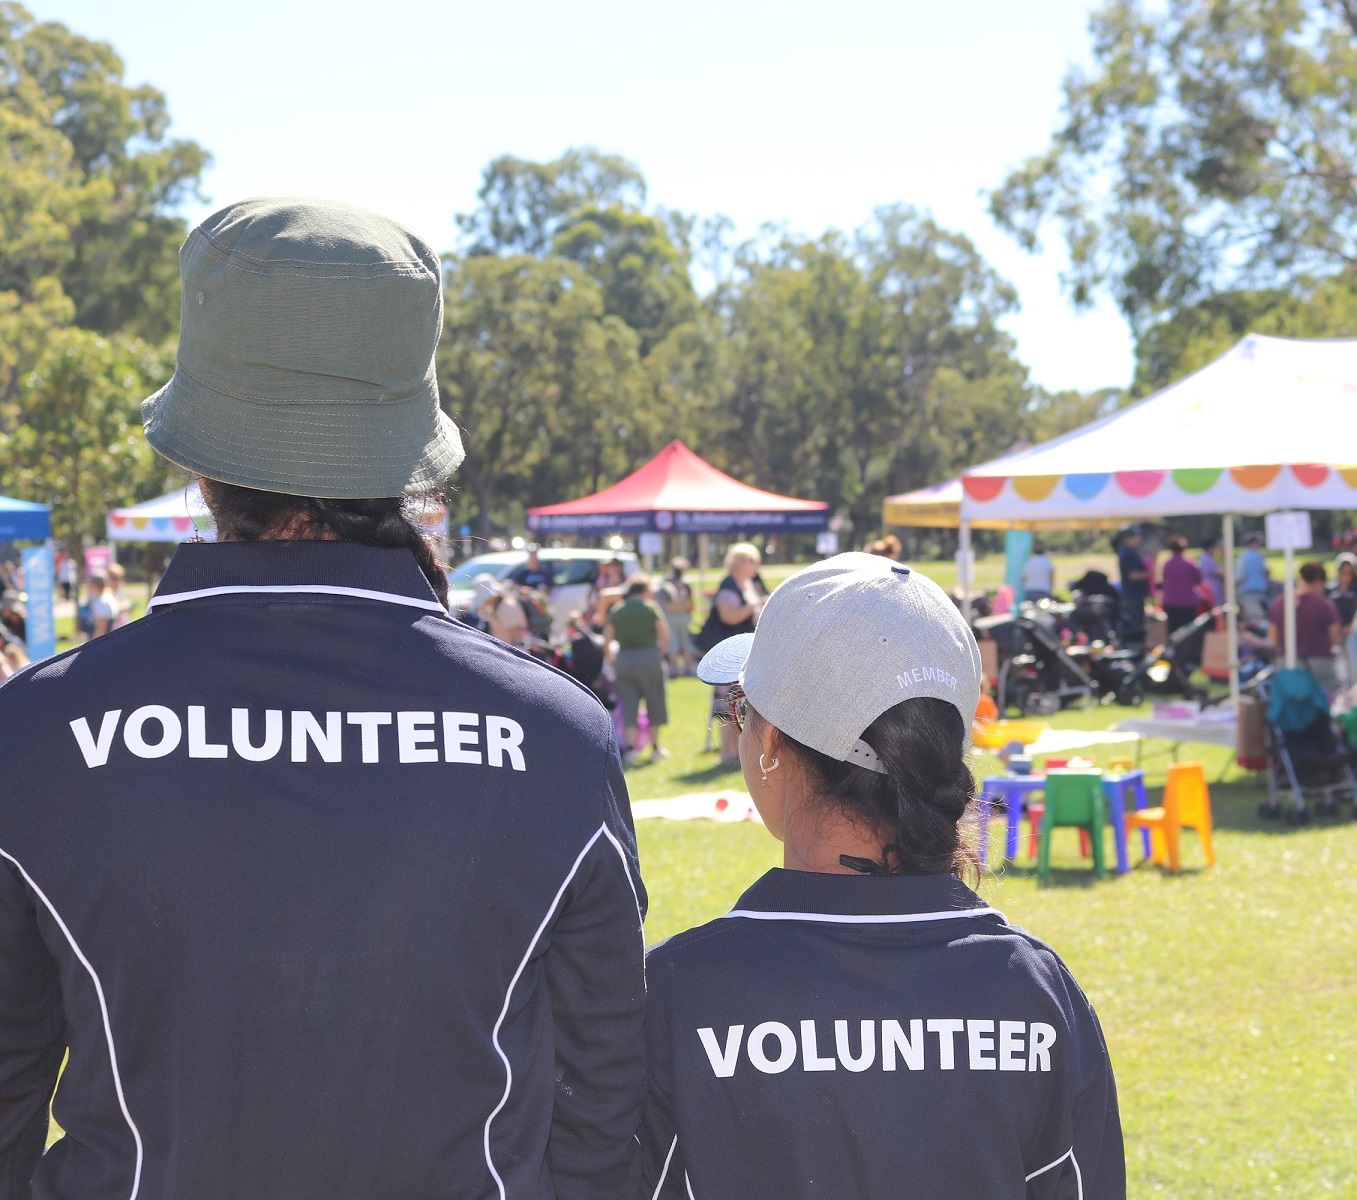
{"x":1187,"y":804}
{"x":1073,"y":798}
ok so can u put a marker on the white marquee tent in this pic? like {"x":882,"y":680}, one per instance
{"x":1270,"y":425}
{"x":176,"y":516}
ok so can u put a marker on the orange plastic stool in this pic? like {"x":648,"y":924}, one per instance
{"x":1187,"y":805}
{"x":986,"y":709}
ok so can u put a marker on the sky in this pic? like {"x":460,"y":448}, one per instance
{"x":803,"y":114}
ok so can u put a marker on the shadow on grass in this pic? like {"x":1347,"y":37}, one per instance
{"x":1235,"y":805}
{"x":716,"y":773}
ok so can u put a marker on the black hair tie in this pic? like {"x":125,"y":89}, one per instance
{"x":869,"y":866}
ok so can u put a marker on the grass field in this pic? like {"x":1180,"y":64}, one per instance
{"x":1228,"y":996}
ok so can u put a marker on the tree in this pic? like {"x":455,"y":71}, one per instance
{"x":89,"y":290}
{"x":1212,"y":149}
{"x":113,"y":179}
{"x":546,"y":387}
{"x":642,"y":272}
{"x":78,"y":444}
{"x":869,"y":364}
{"x":524,"y":203}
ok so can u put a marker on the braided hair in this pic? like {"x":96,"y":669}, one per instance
{"x":250,"y":515}
{"x":921,"y":799}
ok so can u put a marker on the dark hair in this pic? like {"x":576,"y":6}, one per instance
{"x":923,"y":797}
{"x":638,"y":587}
{"x":250,"y":515}
{"x":1313,"y":572}
{"x":1177,"y":544}
{"x":1210,"y":544}
{"x":1038,"y":547}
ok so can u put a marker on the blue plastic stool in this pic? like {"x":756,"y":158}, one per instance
{"x":1011,"y":789}
{"x":1115,"y":788}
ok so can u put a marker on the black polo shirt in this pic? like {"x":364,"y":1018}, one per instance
{"x":325,"y":894}
{"x":845,"y":1036}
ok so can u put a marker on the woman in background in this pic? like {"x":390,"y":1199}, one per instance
{"x":735,"y":610}
{"x":1344,"y":597}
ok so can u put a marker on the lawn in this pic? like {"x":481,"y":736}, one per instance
{"x":1228,"y":996}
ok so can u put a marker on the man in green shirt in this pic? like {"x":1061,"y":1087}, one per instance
{"x":641,"y":632}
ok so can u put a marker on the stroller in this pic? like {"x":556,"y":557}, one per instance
{"x":1037,"y":673}
{"x":1162,"y":671}
{"x":1305,"y":752}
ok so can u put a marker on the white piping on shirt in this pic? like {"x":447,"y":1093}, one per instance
{"x":668,"y":1158}
{"x":103,"y":1009}
{"x":601,"y":831}
{"x":755,"y":914}
{"x":1078,"y":1175}
{"x":688,"y":1183}
{"x":323,"y":589}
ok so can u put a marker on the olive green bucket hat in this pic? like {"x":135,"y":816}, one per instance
{"x":306,"y":354}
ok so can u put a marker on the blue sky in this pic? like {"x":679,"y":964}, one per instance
{"x":805,"y":114}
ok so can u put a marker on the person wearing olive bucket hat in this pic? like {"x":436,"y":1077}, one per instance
{"x":317,"y":891}
{"x":879,"y":1029}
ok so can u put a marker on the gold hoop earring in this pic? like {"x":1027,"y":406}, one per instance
{"x":772,"y":766}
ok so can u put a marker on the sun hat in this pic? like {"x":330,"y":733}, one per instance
{"x":842,"y":641}
{"x":306,"y":354}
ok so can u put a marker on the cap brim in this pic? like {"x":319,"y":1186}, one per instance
{"x":339,"y":451}
{"x":722,"y":664}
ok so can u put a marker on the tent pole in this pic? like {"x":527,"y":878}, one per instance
{"x":1232,"y":614}
{"x":701,"y":564}
{"x":964,"y":567}
{"x":1289,"y":606}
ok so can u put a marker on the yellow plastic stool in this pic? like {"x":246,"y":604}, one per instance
{"x":1119,"y":766}
{"x":1187,"y":805}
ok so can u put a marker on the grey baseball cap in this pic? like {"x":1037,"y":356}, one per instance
{"x":306,"y":354}
{"x":842,"y":641}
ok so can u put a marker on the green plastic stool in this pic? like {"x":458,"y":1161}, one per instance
{"x":1073,"y":798}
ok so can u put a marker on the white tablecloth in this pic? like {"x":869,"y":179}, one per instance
{"x":1214,"y":733}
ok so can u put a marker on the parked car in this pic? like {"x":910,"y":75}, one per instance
{"x":573,"y":574}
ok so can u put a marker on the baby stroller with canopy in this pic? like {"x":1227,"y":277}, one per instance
{"x":1305,"y":752}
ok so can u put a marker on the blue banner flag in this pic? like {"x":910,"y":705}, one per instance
{"x":40,"y":583}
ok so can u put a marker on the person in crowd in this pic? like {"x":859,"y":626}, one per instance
{"x":13,"y":614}
{"x":735,"y":609}
{"x":1179,"y":580}
{"x":1319,"y":629}
{"x":675,"y":598}
{"x":1344,"y":597}
{"x":68,"y":576}
{"x":504,"y":614}
{"x":13,"y":657}
{"x":886,"y":547}
{"x":536,"y":576}
{"x":863,"y":1024}
{"x":587,"y":657}
{"x":117,"y":577}
{"x":1209,"y":565}
{"x":1251,"y":580}
{"x":1135,"y":585}
{"x":105,"y":606}
{"x":608,"y":591}
{"x":1038,"y":575}
{"x":9,"y":577}
{"x":297,"y":851}
{"x":641,"y":632}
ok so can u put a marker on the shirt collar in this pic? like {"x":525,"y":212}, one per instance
{"x":347,"y":569}
{"x":865,"y":899}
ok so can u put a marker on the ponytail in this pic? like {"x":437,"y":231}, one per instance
{"x":922,"y":798}
{"x":250,"y":515}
